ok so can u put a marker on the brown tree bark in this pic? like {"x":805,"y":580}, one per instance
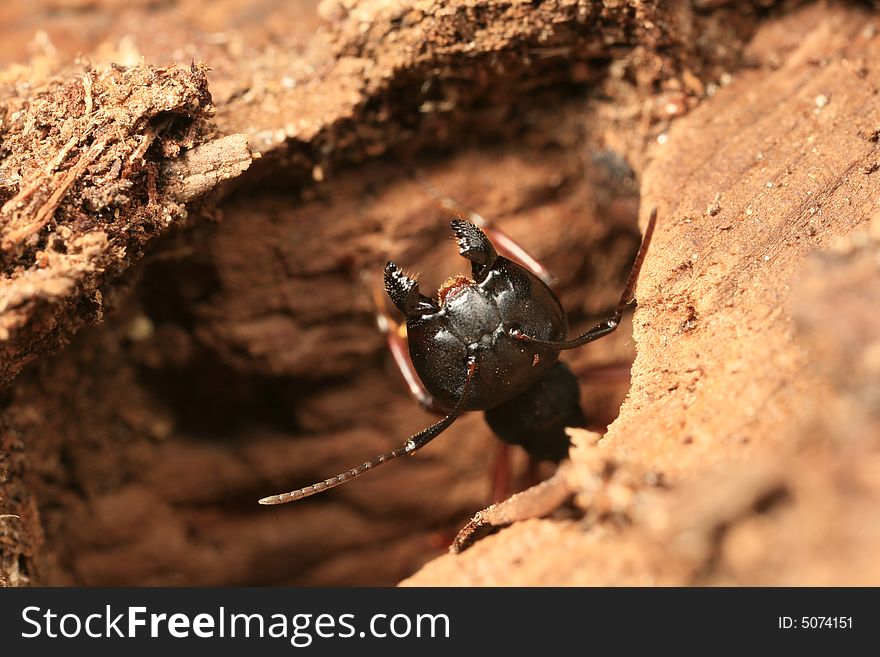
{"x":186,"y":320}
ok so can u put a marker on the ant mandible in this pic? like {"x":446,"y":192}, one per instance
{"x":490,"y":342}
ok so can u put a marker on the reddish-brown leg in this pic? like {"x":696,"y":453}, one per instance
{"x":504,"y":244}
{"x":395,"y":339}
{"x":501,"y":474}
{"x":533,"y":473}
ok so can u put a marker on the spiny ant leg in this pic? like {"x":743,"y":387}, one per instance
{"x":396,"y":341}
{"x":535,"y":502}
{"x":506,"y":245}
{"x":416,"y":442}
{"x":609,"y":325}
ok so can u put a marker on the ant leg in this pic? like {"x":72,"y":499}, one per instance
{"x":535,"y":502}
{"x":416,"y":442}
{"x":533,"y":472}
{"x":396,"y":341}
{"x":609,"y":325}
{"x":615,"y":375}
{"x":501,"y":473}
{"x":506,"y":245}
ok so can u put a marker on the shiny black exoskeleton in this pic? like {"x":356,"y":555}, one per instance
{"x":536,"y":419}
{"x":473,"y":318}
{"x":490,"y":342}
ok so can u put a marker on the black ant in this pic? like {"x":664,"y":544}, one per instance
{"x":490,"y":342}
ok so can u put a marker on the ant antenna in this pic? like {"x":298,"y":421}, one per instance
{"x":415,"y":443}
{"x":609,"y":325}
